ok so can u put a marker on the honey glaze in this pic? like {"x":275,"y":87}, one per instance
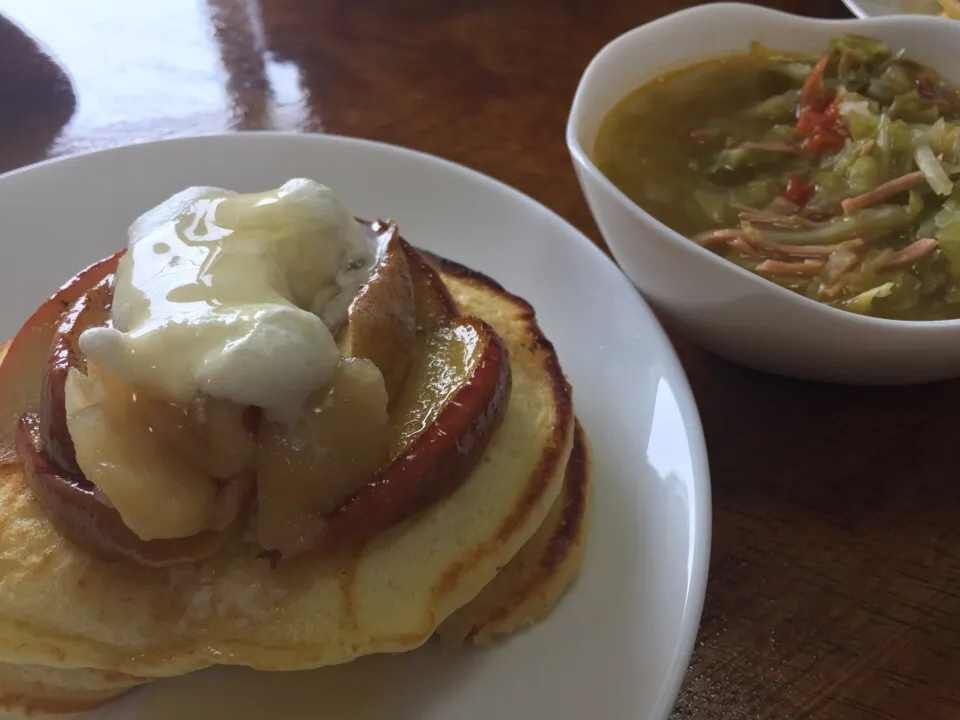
{"x":234,"y":295}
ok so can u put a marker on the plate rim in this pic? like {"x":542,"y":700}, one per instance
{"x":701,"y":512}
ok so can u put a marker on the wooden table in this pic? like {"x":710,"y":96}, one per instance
{"x":835,"y":581}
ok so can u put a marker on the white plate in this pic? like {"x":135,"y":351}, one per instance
{"x":618,"y":645}
{"x":878,"y":8}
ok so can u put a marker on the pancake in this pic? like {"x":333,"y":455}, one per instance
{"x":538,"y":576}
{"x":81,"y":629}
{"x":521,"y":594}
{"x":31,"y":691}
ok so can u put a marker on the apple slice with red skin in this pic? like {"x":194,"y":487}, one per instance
{"x":45,"y":447}
{"x":427,"y":465}
{"x":403,"y":298}
{"x":439,"y":437}
{"x":23,"y":367}
{"x":92,"y":309}
{"x":72,"y":506}
{"x":381,"y":321}
{"x":434,"y":303}
{"x":311,"y":466}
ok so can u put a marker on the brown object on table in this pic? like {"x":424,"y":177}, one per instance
{"x":36,"y":98}
{"x":835,"y":580}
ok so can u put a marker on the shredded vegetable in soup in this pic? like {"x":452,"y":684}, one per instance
{"x":836,"y":176}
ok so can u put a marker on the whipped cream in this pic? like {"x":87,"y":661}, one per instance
{"x":235,"y":295}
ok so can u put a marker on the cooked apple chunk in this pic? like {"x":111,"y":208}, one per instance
{"x":82,"y":515}
{"x":159,"y":494}
{"x":309,"y":467}
{"x":453,"y":400}
{"x":130,"y":491}
{"x":209,"y":433}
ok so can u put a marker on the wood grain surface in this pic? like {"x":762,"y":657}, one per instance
{"x":835,"y":578}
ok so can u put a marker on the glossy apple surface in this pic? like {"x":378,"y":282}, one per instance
{"x":381,"y":321}
{"x":143,"y":457}
{"x":308,"y":468}
{"x":23,"y":367}
{"x":434,"y":303}
{"x":447,"y":401}
{"x":91,"y":309}
{"x":454,"y":399}
{"x":83,"y":518}
{"x":159,"y":493}
{"x":47,"y":345}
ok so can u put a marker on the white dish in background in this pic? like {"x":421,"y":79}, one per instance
{"x":618,"y":645}
{"x":728,"y":309}
{"x":879,"y":8}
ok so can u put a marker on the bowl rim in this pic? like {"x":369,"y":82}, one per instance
{"x":689,"y":15}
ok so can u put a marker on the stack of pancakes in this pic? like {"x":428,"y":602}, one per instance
{"x":493,"y":557}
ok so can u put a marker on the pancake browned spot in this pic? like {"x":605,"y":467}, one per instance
{"x":528,"y":587}
{"x":34,"y":692}
{"x":554,"y":451}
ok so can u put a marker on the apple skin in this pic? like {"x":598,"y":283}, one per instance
{"x":23,"y":367}
{"x":434,"y":303}
{"x":438,"y":460}
{"x":381,"y":323}
{"x":92,"y":309}
{"x":404,"y":299}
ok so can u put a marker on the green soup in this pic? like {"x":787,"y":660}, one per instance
{"x":833,"y":176}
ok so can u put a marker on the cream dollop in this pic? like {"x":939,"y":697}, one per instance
{"x":235,"y":295}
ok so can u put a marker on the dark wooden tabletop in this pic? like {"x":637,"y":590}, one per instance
{"x":835,"y":578}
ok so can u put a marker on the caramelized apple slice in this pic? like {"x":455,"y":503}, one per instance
{"x":80,"y":516}
{"x":92,"y":309}
{"x":159,"y":494}
{"x":454,"y":398}
{"x":308,"y":468}
{"x":22,"y":370}
{"x":151,"y":460}
{"x":435,"y":305}
{"x":215,"y":436}
{"x":381,"y":325}
{"x":121,"y":457}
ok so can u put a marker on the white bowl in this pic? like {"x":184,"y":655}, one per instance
{"x":727,"y":309}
